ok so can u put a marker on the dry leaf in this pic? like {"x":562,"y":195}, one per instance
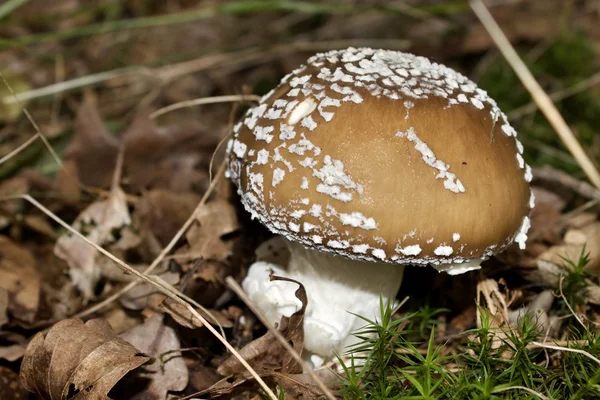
{"x":93,"y":149}
{"x":201,"y":376}
{"x":183,"y":316}
{"x":12,"y":208}
{"x":167,"y":374}
{"x":303,"y":387}
{"x":266,"y":354}
{"x":575,"y":240}
{"x":164,"y":148}
{"x":145,"y":295}
{"x":77,"y":361}
{"x":464,"y":320}
{"x":164,"y":212}
{"x":20,"y":280}
{"x":98,"y":222}
{"x":92,"y":153}
{"x":205,"y":237}
{"x":493,"y":302}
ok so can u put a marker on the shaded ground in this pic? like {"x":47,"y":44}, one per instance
{"x":104,"y":67}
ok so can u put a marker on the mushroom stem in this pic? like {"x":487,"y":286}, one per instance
{"x":337,"y":289}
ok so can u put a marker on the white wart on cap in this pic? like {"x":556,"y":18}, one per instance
{"x":383,"y":156}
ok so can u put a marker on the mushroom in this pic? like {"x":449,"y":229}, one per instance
{"x":365,"y":161}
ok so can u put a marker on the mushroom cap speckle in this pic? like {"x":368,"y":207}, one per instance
{"x":383,"y":156}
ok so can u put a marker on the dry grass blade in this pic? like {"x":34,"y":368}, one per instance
{"x":172,"y":71}
{"x":526,"y":389}
{"x":577,"y":88}
{"x":19,"y":149}
{"x":204,"y":100}
{"x":541,"y":98}
{"x":562,"y":295}
{"x":568,"y":349}
{"x":161,"y":286}
{"x":233,"y":285}
{"x":162,"y":254}
{"x":75,"y":83}
{"x":35,"y":125}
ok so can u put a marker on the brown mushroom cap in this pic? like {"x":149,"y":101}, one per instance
{"x":384,"y":156}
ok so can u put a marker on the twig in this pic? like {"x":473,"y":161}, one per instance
{"x":562,"y":343}
{"x":567,"y":349}
{"x":162,"y":254}
{"x":233,"y":285}
{"x":533,"y":87}
{"x":35,"y":125}
{"x":19,"y":149}
{"x":526,"y":389}
{"x":204,"y":100}
{"x":549,"y":174}
{"x":562,"y":295}
{"x":579,"y":87}
{"x":162,"y":286}
{"x":71,"y":84}
{"x":169,"y":72}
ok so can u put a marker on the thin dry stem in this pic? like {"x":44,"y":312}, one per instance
{"x":577,"y":88}
{"x":77,"y":83}
{"x":204,"y":100}
{"x":35,"y":125}
{"x":541,"y":98}
{"x":567,"y":349}
{"x":233,"y":351}
{"x":20,"y":148}
{"x":560,"y":283}
{"x":233,"y":285}
{"x":163,"y":253}
{"x":526,"y":389}
{"x":162,"y":286}
{"x":169,"y":72}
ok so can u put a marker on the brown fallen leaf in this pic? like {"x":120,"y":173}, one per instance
{"x":98,"y":222}
{"x":201,"y":376}
{"x":20,"y":280}
{"x":166,"y":148}
{"x":163,"y":212}
{"x":77,"y":361}
{"x":145,"y":295}
{"x":184,"y":317}
{"x":10,"y":209}
{"x":172,"y":151}
{"x":302,"y":386}
{"x":205,"y":237}
{"x":492,"y":302}
{"x":168,"y":372}
{"x":93,"y":149}
{"x":575,"y":241}
{"x":464,"y":320}
{"x":266,"y":354}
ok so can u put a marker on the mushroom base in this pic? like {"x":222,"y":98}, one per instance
{"x":337,"y":288}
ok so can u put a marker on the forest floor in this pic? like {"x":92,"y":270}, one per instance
{"x":88,"y":147}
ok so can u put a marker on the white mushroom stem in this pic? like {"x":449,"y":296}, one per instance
{"x":337,"y":288}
